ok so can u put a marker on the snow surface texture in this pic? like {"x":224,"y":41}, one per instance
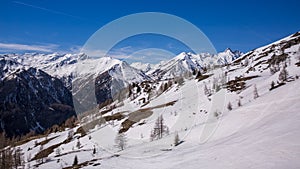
{"x":261,"y":132}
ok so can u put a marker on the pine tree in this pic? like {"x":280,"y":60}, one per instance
{"x":217,"y":114}
{"x":229,"y":106}
{"x":75,"y":162}
{"x":206,"y":90}
{"x":176,"y":139}
{"x":3,"y":140}
{"x":255,"y":92}
{"x":70,"y":134}
{"x":239,"y":103}
{"x":121,"y":141}
{"x":6,"y":159}
{"x":272,"y":84}
{"x":94,"y":150}
{"x":35,"y":143}
{"x":272,"y":70}
{"x":41,"y":160}
{"x":78,"y":144}
{"x":165,"y":87}
{"x":18,"y":158}
{"x":58,"y":151}
{"x":29,"y":157}
{"x":283,"y":74}
{"x":11,"y":158}
{"x":160,"y":129}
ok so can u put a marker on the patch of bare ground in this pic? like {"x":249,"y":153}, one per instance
{"x":80,"y":131}
{"x":102,"y":120}
{"x":28,"y":139}
{"x":202,"y":77}
{"x":46,"y":141}
{"x":141,"y":114}
{"x":239,"y":83}
{"x":45,"y":153}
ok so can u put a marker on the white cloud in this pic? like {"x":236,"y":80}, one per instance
{"x":121,"y":53}
{"x":130,"y":54}
{"x":150,"y":55}
{"x":94,"y":52}
{"x":75,"y":49}
{"x":22,"y":47}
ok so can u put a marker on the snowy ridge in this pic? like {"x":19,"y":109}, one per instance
{"x":61,"y":65}
{"x":186,"y":63}
{"x":8,"y":66}
{"x":145,"y":67}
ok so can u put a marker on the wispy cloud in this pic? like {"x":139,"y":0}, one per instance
{"x":9,"y":47}
{"x":151,"y":55}
{"x":74,"y":49}
{"x":48,"y":10}
{"x":133,"y":54}
{"x":95,"y":53}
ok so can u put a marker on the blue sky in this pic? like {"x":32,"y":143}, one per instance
{"x":64,"y":26}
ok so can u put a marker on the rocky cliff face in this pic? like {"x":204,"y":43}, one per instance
{"x":30,"y":99}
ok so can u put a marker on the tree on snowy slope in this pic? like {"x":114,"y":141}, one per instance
{"x":255,"y":92}
{"x":239,"y":103}
{"x":75,"y":162}
{"x":215,"y":84}
{"x":176,"y":139}
{"x":160,"y":129}
{"x":78,"y":144}
{"x":229,"y":106}
{"x":206,"y":90}
{"x":11,"y":158}
{"x":121,"y":141}
{"x":283,"y":74}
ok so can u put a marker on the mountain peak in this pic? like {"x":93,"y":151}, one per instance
{"x":228,"y":49}
{"x":182,"y":56}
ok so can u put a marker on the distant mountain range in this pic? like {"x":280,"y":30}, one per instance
{"x":34,"y":86}
{"x":186,"y":63}
{"x":192,"y":111}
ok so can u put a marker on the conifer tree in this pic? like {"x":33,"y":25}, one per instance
{"x":121,"y":141}
{"x":255,"y":92}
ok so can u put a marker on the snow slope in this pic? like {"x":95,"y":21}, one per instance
{"x":262,"y":132}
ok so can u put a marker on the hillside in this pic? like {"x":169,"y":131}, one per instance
{"x":241,"y":115}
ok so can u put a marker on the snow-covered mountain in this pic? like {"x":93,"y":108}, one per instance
{"x":114,"y":74}
{"x":186,"y":63}
{"x":145,"y":67}
{"x":27,"y":96}
{"x":105,"y":77}
{"x":68,"y":66}
{"x":8,"y":66}
{"x":76,"y":65}
{"x":228,"y":56}
{"x":241,"y":115}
